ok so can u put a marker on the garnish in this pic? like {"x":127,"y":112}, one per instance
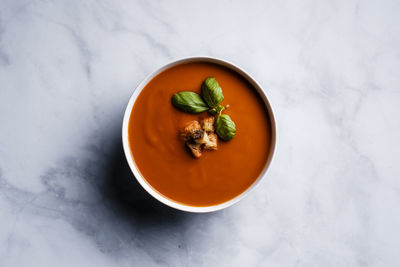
{"x":225,"y":127}
{"x":212,"y":92}
{"x":210,"y":99}
{"x":189,"y":102}
{"x":217,"y":110}
{"x":200,"y":137}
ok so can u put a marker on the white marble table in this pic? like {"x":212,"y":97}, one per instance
{"x":330,"y":69}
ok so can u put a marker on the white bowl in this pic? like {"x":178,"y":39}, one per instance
{"x":128,"y":153}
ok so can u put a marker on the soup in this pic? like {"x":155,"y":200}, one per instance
{"x":163,"y":159}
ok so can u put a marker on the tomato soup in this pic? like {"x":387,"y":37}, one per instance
{"x":162,"y":157}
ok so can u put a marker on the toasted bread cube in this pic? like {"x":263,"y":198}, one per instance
{"x":192,"y":132}
{"x":195,"y":149}
{"x":192,"y":127}
{"x":212,"y":142}
{"x":199,"y":137}
{"x":208,"y":124}
{"x":203,"y":138}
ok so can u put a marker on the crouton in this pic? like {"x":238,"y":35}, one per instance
{"x":212,"y":142}
{"x":195,"y":149}
{"x":203,"y":139}
{"x":192,"y":127}
{"x":192,"y":132}
{"x":208,"y":124}
{"x":200,"y":137}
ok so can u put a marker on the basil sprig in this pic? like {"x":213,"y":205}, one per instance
{"x":212,"y":92}
{"x":209,"y":100}
{"x":189,"y":102}
{"x":225,"y":127}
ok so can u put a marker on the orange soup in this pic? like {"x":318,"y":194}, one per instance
{"x":163,"y":159}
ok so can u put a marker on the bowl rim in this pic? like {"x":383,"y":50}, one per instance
{"x":129,"y":156}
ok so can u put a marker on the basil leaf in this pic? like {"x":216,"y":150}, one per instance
{"x":189,"y":102}
{"x":211,"y":92}
{"x":225,"y":127}
{"x":216,"y":110}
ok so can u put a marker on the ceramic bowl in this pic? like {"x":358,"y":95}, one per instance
{"x":129,"y":156}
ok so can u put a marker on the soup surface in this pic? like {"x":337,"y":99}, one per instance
{"x":162,"y":157}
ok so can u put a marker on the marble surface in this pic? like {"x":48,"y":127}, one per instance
{"x":330,"y":69}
